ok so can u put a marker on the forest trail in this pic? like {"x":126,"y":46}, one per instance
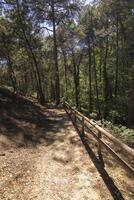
{"x":43,"y":158}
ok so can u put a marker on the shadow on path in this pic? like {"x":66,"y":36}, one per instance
{"x":113,"y":189}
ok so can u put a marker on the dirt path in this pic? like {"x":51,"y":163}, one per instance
{"x":59,"y":169}
{"x":52,"y":164}
{"x":61,"y":173}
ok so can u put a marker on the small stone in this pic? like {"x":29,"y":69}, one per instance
{"x":2,"y":154}
{"x":131,"y":193}
{"x":11,"y":175}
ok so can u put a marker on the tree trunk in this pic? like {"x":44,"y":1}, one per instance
{"x":76,"y":80}
{"x":96,"y":85}
{"x":117,"y":61}
{"x":131,"y":106}
{"x":53,"y":95}
{"x":105,"y":79}
{"x":100,"y":62}
{"x":89,"y":78}
{"x":12,"y":75}
{"x":55,"y":56}
{"x":32,"y":55}
{"x":65,"y":71}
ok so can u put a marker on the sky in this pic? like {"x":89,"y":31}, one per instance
{"x":88,"y":1}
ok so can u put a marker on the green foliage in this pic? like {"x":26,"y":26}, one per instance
{"x":122,"y":132}
{"x":94,"y":55}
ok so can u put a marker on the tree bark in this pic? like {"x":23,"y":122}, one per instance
{"x":96,"y":85}
{"x":131,"y":105}
{"x":12,"y":74}
{"x":10,"y":66}
{"x":89,"y":78}
{"x":76,"y":72}
{"x":32,"y":55}
{"x":55,"y":56}
{"x":117,"y":60}
{"x":65,"y":71}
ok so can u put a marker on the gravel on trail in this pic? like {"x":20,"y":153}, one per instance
{"x":58,"y":167}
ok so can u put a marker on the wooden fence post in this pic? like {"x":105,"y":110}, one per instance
{"x":99,"y":150}
{"x":75,"y":117}
{"x":99,"y":143}
{"x":64,"y":105}
{"x":83,"y":126}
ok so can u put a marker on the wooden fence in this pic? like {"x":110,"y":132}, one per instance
{"x":99,"y":133}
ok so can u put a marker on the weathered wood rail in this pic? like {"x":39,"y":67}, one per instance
{"x":98,"y":133}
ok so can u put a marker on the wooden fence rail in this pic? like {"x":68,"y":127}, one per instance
{"x":98,"y":133}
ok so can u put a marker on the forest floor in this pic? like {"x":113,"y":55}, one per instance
{"x":42,"y":157}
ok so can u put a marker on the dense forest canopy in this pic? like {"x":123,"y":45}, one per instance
{"x":79,"y":51}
